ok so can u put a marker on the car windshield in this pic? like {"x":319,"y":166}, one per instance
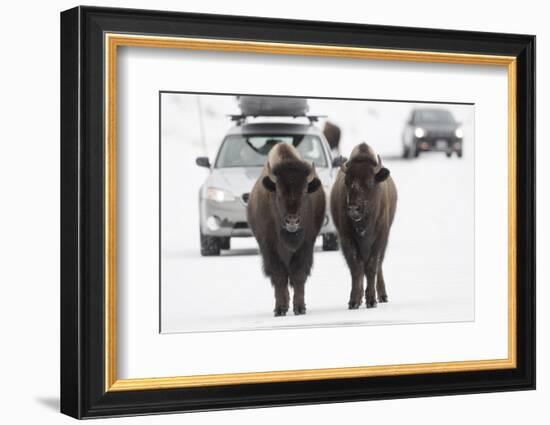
{"x":251,"y":150}
{"x":433,"y":116}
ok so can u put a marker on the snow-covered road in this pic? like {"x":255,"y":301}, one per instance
{"x":429,"y":266}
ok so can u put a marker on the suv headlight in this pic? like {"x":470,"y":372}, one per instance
{"x":219,"y":195}
{"x":459,"y":133}
{"x":419,"y":132}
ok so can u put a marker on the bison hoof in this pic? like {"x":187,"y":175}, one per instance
{"x":371,"y":303}
{"x":279,"y":311}
{"x":300,"y":310}
{"x":354,"y":305}
{"x":382,"y":298}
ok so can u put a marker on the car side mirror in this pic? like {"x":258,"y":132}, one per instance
{"x":203,"y":161}
{"x":339,"y":160}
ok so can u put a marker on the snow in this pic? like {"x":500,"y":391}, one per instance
{"x":429,"y":266}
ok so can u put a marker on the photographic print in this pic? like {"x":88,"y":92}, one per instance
{"x":293,"y":212}
{"x":360,"y":195}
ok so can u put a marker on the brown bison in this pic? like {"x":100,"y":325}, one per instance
{"x":332,"y":133}
{"x":285,"y":211}
{"x":363,"y":202}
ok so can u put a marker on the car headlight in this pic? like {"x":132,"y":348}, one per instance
{"x":459,"y":133}
{"x":213,"y":223}
{"x":419,"y":132}
{"x":219,"y":195}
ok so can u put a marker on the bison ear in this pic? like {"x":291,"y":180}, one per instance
{"x":269,"y":184}
{"x":382,"y":175}
{"x":313,"y":185}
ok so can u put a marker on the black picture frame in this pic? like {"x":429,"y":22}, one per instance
{"x":83,"y":392}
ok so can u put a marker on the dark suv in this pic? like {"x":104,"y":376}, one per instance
{"x":432,"y":129}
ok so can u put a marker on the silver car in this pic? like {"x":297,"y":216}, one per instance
{"x":238,"y":163}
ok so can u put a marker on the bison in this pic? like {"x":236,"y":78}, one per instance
{"x":363,"y":202}
{"x":286,"y":209}
{"x":332,"y":133}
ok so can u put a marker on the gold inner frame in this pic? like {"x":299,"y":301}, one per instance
{"x":113,"y":41}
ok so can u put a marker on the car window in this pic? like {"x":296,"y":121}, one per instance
{"x":251,"y":151}
{"x":433,"y":116}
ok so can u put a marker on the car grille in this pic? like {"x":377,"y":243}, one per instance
{"x":438,"y":134}
{"x":240,"y":225}
{"x":245,"y":197}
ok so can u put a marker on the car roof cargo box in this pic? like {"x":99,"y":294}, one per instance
{"x":272,"y":106}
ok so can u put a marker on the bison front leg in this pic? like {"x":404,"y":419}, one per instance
{"x":371,"y":269}
{"x":300,"y":267}
{"x":298,"y":282}
{"x":282,"y":296}
{"x":356,"y":294}
{"x":381,"y":286}
{"x":357,"y":271}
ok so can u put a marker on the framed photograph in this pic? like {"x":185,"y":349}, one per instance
{"x":261,"y":212}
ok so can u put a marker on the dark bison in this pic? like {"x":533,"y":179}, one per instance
{"x":285,"y":210}
{"x":332,"y":134}
{"x":363,"y":202}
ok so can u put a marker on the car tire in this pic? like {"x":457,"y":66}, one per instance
{"x":225,"y":243}
{"x":210,"y":245}
{"x":416,"y":152}
{"x":448,"y":154}
{"x":411,"y":151}
{"x":459,"y":154}
{"x":330,"y":242}
{"x":405,"y":152}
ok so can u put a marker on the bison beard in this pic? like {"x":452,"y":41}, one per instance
{"x":285,"y":211}
{"x":363,"y":203}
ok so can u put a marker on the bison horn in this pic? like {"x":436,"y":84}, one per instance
{"x":379,"y":165}
{"x":312,"y":173}
{"x":270,"y":174}
{"x":344,"y":166}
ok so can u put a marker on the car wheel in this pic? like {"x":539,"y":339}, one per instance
{"x":416,"y":152}
{"x":330,"y":242}
{"x":459,"y":154}
{"x":411,"y":151}
{"x":448,"y":154}
{"x":405,"y":152}
{"x":210,"y":245}
{"x":225,"y":243}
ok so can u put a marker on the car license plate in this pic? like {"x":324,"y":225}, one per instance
{"x":441,"y":144}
